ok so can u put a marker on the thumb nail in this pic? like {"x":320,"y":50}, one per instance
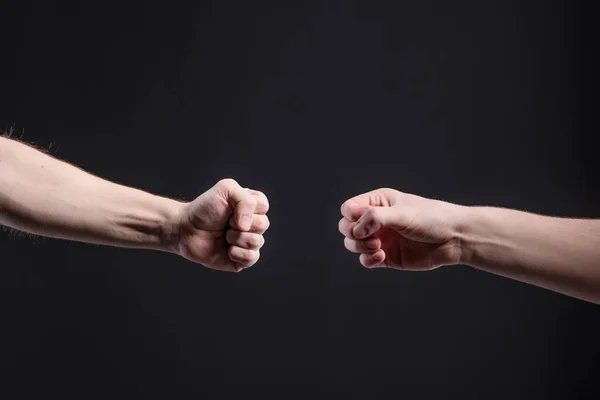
{"x":360,"y":230}
{"x":245,"y":222}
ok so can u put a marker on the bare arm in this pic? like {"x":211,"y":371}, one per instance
{"x":559,"y":254}
{"x":42,"y":195}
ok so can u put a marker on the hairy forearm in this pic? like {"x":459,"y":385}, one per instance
{"x":42,"y":195}
{"x":559,"y":254}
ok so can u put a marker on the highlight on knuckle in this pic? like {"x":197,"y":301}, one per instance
{"x":262,"y":223}
{"x":255,"y":240}
{"x":248,"y":256}
{"x":267,"y":205}
{"x":227,"y":182}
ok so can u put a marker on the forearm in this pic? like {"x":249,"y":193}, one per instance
{"x":559,"y":254}
{"x":42,"y":195}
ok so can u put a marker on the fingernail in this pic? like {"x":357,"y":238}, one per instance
{"x":372,"y":244}
{"x":378,"y":257}
{"x":246,"y":222}
{"x":360,"y":230}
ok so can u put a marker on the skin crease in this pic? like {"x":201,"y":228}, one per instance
{"x":391,"y":229}
{"x":419,"y":238}
{"x":211,"y":231}
{"x":221,"y":229}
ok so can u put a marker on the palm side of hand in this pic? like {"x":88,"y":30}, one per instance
{"x":404,"y":231}
{"x":412,"y":255}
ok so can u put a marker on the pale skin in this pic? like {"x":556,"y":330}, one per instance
{"x":391,"y":229}
{"x":221,"y":229}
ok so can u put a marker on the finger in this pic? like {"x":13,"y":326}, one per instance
{"x":345,"y":227}
{"x":244,"y":257}
{"x":355,"y":207}
{"x":260,"y":223}
{"x":242,"y":201}
{"x":373,"y":220}
{"x":370,"y":245}
{"x":372,"y":260}
{"x":262,"y":203}
{"x":245,"y":240}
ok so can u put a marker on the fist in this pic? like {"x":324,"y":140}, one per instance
{"x":397,"y":230}
{"x":223,"y":228}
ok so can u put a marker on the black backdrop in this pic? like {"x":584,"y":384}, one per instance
{"x":312,"y":102}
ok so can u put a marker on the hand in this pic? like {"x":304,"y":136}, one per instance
{"x":223,"y":228}
{"x":401,"y":231}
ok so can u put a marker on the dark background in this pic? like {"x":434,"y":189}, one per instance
{"x":472,"y":102}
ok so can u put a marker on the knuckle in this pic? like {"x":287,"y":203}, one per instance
{"x":241,"y":256}
{"x":249,"y":257}
{"x":252,"y":200}
{"x":266,"y":204}
{"x":255,"y":240}
{"x":265,"y":199}
{"x":227,"y":182}
{"x":263,"y":223}
{"x":248,"y":200}
{"x":262,"y":196}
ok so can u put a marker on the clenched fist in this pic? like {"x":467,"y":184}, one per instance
{"x":392,"y":229}
{"x":223,"y":228}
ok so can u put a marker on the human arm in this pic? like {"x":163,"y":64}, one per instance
{"x":42,"y":195}
{"x":414,"y":233}
{"x":560,"y":254}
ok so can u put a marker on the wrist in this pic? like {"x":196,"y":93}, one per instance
{"x":170,"y":227}
{"x":468,"y":219}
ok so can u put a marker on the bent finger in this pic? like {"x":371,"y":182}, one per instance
{"x":373,"y":260}
{"x":245,"y":240}
{"x":260,"y":223}
{"x":370,"y":245}
{"x":262,"y":202}
{"x":244,"y":257}
{"x":345,"y":227}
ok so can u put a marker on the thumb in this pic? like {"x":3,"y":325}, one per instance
{"x":374,"y":219}
{"x":242,"y":202}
